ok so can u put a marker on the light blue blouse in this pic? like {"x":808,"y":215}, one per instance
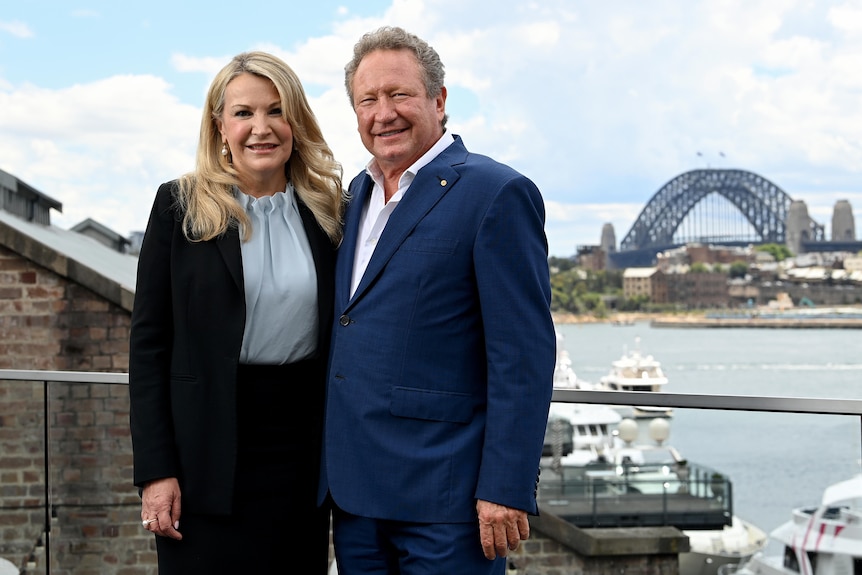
{"x":281,"y":322}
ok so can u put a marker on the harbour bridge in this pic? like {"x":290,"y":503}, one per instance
{"x":716,"y":206}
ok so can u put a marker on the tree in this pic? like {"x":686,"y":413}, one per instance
{"x":738,"y":269}
{"x":560,"y":264}
{"x":778,"y":251}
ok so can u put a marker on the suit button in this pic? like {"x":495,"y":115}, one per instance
{"x":344,"y":320}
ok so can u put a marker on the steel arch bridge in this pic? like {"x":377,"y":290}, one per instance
{"x":763,"y":204}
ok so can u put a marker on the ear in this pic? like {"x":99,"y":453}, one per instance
{"x":440,"y":103}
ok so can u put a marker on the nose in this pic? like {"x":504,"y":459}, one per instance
{"x":385,"y":111}
{"x":261,"y":124}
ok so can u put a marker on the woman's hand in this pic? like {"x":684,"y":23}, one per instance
{"x":160,"y":507}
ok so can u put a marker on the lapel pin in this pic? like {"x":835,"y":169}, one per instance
{"x":443,"y":182}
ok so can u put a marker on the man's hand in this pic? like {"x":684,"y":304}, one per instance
{"x":160,"y":507}
{"x":501,"y":529}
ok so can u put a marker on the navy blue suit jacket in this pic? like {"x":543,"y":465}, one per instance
{"x":441,"y":364}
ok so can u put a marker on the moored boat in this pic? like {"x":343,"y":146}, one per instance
{"x":819,"y":540}
{"x":635,"y":371}
{"x":717,"y":552}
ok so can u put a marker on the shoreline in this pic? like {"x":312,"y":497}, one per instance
{"x":699,"y":320}
{"x":757,"y":322}
{"x":627,"y":318}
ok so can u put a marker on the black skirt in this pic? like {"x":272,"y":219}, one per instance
{"x":275,"y":518}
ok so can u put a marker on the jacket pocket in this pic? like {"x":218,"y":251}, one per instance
{"x":431,"y":404}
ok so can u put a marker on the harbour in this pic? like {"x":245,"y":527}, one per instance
{"x":775,"y":461}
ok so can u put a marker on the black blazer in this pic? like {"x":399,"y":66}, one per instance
{"x":187,"y":326}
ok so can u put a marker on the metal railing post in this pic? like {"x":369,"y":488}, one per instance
{"x":46,"y":451}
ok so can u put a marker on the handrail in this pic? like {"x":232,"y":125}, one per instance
{"x":825,"y":406}
{"x":65,"y":376}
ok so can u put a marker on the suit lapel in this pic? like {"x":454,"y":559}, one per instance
{"x":228,"y":245}
{"x":431,"y":183}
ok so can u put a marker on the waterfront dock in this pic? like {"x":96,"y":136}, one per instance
{"x":753,"y":321}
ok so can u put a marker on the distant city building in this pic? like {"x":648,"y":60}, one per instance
{"x":843,"y":224}
{"x":25,"y":201}
{"x":649,"y":282}
{"x":135,"y":241}
{"x":702,"y":253}
{"x":93,"y":229}
{"x":591,"y":258}
{"x":853,"y":263}
{"x":697,"y":290}
{"x":608,"y":244}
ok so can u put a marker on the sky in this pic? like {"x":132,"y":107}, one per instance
{"x":599,"y":103}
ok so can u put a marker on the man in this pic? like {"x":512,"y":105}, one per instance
{"x":443,"y":350}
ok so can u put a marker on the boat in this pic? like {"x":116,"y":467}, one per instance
{"x":635,"y":371}
{"x":580,"y":433}
{"x":715,"y":552}
{"x":631,"y":484}
{"x":577,"y":433}
{"x":564,"y":375}
{"x":817,"y":540}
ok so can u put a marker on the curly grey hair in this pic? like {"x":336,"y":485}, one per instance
{"x":395,"y":38}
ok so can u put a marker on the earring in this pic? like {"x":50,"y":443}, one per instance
{"x":224,"y":149}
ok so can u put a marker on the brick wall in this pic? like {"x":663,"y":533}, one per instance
{"x":50,"y":323}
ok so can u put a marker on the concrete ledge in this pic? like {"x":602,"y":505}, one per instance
{"x":619,"y":541}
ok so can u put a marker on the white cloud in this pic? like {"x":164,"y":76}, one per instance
{"x":17,"y":29}
{"x":600,"y":104}
{"x":847,"y":17}
{"x":100,"y":148}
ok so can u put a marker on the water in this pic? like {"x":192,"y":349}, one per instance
{"x":776,"y":461}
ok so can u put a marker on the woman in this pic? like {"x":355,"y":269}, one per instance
{"x":229,"y":333}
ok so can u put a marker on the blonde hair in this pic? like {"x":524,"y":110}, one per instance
{"x":206,"y":195}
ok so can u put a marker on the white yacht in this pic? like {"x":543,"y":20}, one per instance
{"x":822,"y":540}
{"x":580,"y":433}
{"x":635,"y":371}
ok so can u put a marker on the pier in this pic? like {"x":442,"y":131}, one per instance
{"x":754,"y":321}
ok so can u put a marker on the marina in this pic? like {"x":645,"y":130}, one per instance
{"x":598,"y":472}
{"x":775,"y":461}
{"x":631,"y":484}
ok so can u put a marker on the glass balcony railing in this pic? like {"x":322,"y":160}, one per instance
{"x":65,"y":463}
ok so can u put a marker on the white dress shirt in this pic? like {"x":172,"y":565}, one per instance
{"x":376,"y":211}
